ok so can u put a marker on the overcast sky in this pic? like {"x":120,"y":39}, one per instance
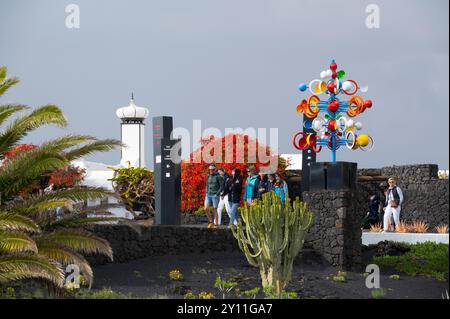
{"x":234,"y":63}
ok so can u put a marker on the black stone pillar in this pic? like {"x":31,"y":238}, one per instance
{"x":308,"y":157}
{"x":332,"y":175}
{"x":167,"y":173}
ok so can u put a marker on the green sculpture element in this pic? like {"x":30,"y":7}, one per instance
{"x":271,"y":234}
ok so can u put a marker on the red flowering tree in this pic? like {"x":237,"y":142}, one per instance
{"x":63,"y":178}
{"x":16,"y":150}
{"x":229,"y":152}
{"x":67,"y":177}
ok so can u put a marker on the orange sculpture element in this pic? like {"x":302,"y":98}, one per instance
{"x":355,"y":106}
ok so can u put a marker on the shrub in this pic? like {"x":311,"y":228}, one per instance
{"x":206,"y":295}
{"x":376,"y":228}
{"x":427,"y":258}
{"x":176,"y":275}
{"x":189,"y":295}
{"x":68,"y":177}
{"x":136,"y":187}
{"x":340,"y":277}
{"x":224,"y":286}
{"x":251,"y":293}
{"x":402,"y":227}
{"x":442,"y":229}
{"x":418,"y":227}
{"x":378,"y":293}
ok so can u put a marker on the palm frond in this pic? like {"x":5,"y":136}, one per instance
{"x":61,"y":144}
{"x":64,"y":256}
{"x":73,"y":221}
{"x":20,"y":127}
{"x":23,"y":266}
{"x":96,"y":146}
{"x":16,"y":242}
{"x":59,"y":198}
{"x":26,"y":168}
{"x":3,"y":72}
{"x":79,"y":241}
{"x":6,"y":84}
{"x":7,"y":110}
{"x":15,"y":222}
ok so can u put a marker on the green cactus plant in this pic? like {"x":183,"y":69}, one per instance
{"x":271,"y":234}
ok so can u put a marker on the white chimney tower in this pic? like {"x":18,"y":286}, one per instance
{"x":132,"y":134}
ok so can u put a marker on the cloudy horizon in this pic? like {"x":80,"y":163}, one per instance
{"x":234,"y":64}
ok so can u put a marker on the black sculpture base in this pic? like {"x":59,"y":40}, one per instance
{"x":332,"y":175}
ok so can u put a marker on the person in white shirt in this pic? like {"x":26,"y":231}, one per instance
{"x":392,"y":204}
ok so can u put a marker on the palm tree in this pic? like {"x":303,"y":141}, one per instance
{"x":33,"y":242}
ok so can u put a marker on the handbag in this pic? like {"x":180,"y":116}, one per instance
{"x":393,"y":204}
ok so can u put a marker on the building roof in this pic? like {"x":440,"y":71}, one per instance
{"x":132,"y":111}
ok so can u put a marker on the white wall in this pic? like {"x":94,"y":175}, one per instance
{"x":133,"y":137}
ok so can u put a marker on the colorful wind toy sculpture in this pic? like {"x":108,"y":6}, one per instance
{"x":332,"y":128}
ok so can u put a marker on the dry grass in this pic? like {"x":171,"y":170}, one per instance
{"x":418,"y":227}
{"x":442,"y":229}
{"x":403,"y":228}
{"x":376,"y":228}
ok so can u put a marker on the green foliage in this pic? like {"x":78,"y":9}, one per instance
{"x":206,"y":295}
{"x":105,"y":293}
{"x":224,"y":286}
{"x":428,"y":259}
{"x":271,"y":234}
{"x":34,"y":243}
{"x":378,"y":293}
{"x":135,"y":185}
{"x":341,"y":276}
{"x":271,"y":292}
{"x":394,"y":277}
{"x":176,"y":275}
{"x":251,"y":293}
{"x":339,"y":279}
{"x":189,"y":295}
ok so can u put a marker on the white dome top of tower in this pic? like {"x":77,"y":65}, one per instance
{"x":132,"y":111}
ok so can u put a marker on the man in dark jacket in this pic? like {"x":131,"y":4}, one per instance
{"x":214,"y":186}
{"x":223,"y":199}
{"x":372,"y":215}
{"x":261,"y":185}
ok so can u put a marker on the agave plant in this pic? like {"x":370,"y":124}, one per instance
{"x":34,"y":242}
{"x":442,"y":229}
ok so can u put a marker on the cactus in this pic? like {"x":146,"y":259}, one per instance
{"x":271,"y":234}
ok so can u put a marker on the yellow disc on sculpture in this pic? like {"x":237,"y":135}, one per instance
{"x":363,"y":140}
{"x":317,"y":89}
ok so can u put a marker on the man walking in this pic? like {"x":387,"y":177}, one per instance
{"x":214,"y":185}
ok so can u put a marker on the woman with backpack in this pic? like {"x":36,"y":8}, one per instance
{"x":281,"y":188}
{"x":249,"y":193}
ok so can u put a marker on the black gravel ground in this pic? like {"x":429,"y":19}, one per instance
{"x":148,"y":278}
